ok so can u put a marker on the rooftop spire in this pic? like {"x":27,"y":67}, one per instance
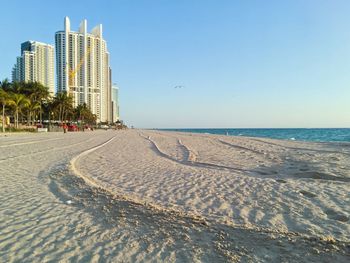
{"x":66,"y":24}
{"x":97,"y":31}
{"x":83,"y":27}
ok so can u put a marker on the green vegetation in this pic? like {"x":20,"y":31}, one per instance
{"x":28,"y":103}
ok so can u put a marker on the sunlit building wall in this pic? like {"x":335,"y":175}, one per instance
{"x":36,"y":63}
{"x":82,"y":67}
{"x":115,"y":103}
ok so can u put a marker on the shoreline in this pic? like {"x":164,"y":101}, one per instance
{"x":229,"y":132}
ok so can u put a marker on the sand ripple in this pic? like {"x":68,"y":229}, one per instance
{"x":241,"y":181}
{"x":170,"y":197}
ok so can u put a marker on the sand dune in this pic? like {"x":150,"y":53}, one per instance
{"x":136,"y":196}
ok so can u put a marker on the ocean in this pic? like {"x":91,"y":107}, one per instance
{"x":300,"y":134}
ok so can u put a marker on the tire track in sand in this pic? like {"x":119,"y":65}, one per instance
{"x":150,"y":205}
{"x":191,"y":160}
{"x":44,"y":151}
{"x":76,"y":171}
{"x":30,"y":142}
{"x":240,"y":147}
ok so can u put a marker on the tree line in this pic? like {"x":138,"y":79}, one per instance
{"x":31,"y":102}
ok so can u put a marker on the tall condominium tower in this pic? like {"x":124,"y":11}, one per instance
{"x":82,"y":65}
{"x":36,"y":63}
{"x":115,"y":103}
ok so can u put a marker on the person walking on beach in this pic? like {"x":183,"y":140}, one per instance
{"x":65,"y":127}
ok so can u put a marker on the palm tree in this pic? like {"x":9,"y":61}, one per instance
{"x":37,"y":93}
{"x":31,"y":107}
{"x":42,"y":94}
{"x":84,"y":114}
{"x":80,"y":111}
{"x":17,"y":87}
{"x":6,"y":85}
{"x":63,"y":103}
{"x":4,"y":99}
{"x":18,"y":101}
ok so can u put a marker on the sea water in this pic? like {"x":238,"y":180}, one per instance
{"x":300,"y":134}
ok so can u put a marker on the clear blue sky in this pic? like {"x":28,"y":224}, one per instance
{"x":242,"y":63}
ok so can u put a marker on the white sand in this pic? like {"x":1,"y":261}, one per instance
{"x":138,"y":196}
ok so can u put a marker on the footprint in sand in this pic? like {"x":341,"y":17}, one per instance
{"x":281,"y":181}
{"x":320,"y":176}
{"x":307,"y":194}
{"x":261,"y":172}
{"x":334,"y":158}
{"x":266,"y":172}
{"x":332,"y":214}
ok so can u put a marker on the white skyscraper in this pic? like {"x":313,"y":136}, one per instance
{"x":115,"y":103}
{"x":36,"y":63}
{"x":82,"y":65}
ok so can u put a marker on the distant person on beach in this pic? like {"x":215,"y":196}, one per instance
{"x":65,"y":127}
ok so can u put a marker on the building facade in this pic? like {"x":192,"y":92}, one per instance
{"x":82,"y":68}
{"x":36,"y":63}
{"x":115,"y":103}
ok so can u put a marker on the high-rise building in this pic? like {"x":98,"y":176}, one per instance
{"x":82,"y":66}
{"x":115,"y":103}
{"x":36,"y":63}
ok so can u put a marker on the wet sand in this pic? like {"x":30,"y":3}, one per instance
{"x":138,"y":195}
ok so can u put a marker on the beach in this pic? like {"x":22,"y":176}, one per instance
{"x":156,"y":196}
